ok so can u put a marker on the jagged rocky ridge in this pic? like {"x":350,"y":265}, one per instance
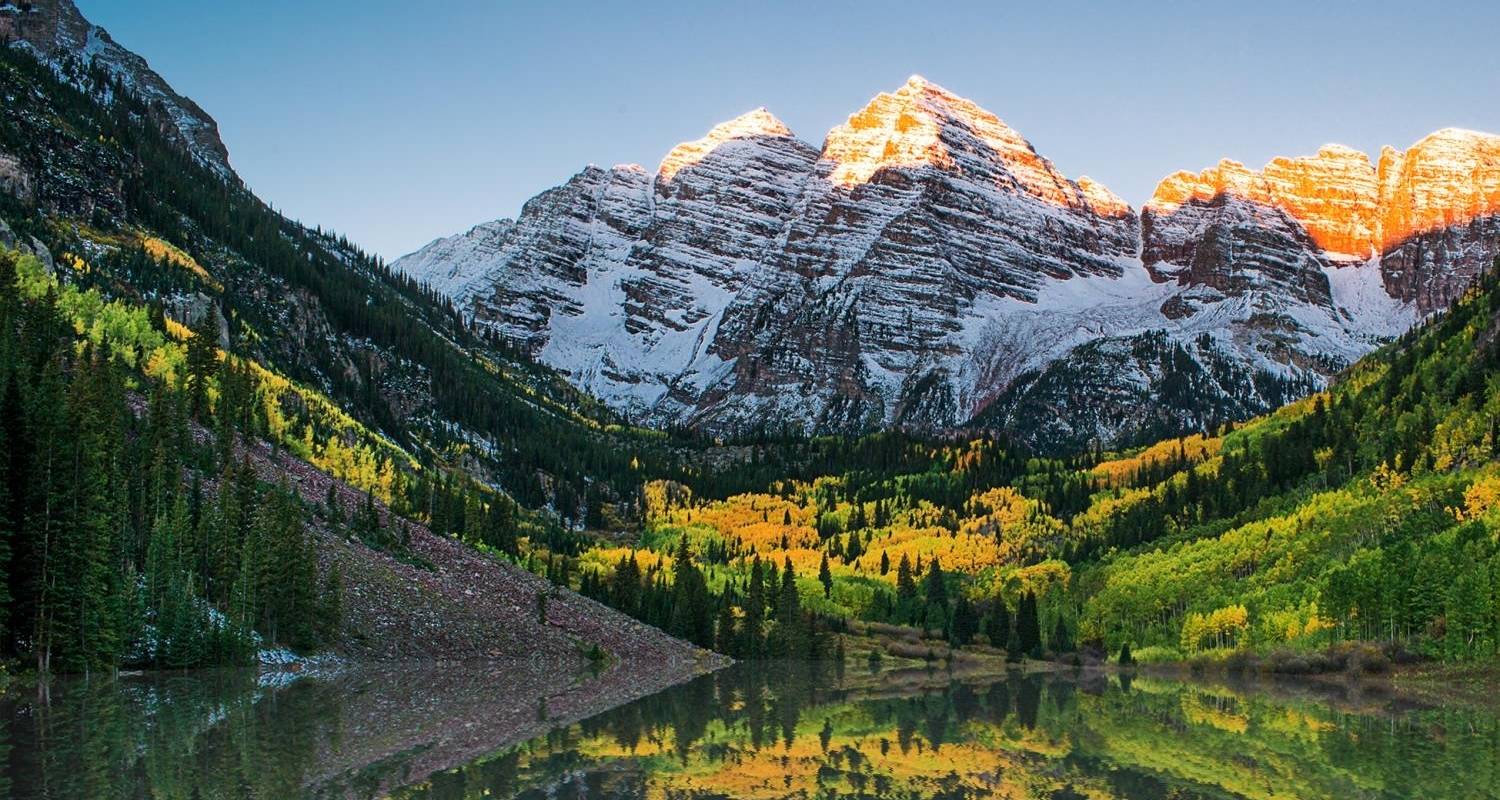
{"x":58,"y":34}
{"x":927,"y":267}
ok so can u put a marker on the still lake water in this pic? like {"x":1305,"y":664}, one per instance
{"x":784,"y":732}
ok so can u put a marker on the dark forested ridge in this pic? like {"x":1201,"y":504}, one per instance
{"x":127,"y":539}
{"x":158,"y":228}
{"x":158,"y":320}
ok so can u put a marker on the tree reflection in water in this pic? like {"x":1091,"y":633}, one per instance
{"x":753,"y":731}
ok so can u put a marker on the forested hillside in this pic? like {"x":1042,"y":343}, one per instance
{"x":156,"y":227}
{"x":1368,"y":512}
{"x":159,"y":322}
{"x":127,"y":539}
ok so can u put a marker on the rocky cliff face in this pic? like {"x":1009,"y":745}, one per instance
{"x":927,"y":267}
{"x":58,"y":34}
{"x":1232,"y":229}
{"x":1426,"y":216}
{"x":1438,"y":225}
{"x":922,"y":211}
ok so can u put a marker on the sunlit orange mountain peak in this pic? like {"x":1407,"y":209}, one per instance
{"x":1447,"y":178}
{"x":750,"y":125}
{"x":1429,"y":214}
{"x":922,"y":124}
{"x":1331,"y":194}
{"x":1101,"y":200}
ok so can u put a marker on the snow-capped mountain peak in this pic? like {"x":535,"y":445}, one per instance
{"x":929,"y":267}
{"x":750,"y":125}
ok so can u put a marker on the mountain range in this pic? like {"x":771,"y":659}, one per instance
{"x":380,"y":468}
{"x":927,"y":268}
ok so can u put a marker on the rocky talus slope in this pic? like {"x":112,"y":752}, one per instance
{"x":445,"y":601}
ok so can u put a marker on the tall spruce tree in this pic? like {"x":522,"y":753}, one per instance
{"x":1028,"y":627}
{"x":1062,"y":638}
{"x":789,"y":637}
{"x":202,"y":361}
{"x":997,"y":624}
{"x":692,"y":614}
{"x":726,"y":638}
{"x":964,"y":623}
{"x":755,"y":612}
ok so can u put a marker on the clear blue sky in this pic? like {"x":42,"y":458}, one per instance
{"x":395,"y":121}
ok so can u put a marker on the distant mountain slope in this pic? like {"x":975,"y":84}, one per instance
{"x":927,"y":267}
{"x":346,"y":367}
{"x":57,"y":34}
{"x":1366,"y":512}
{"x":92,"y":172}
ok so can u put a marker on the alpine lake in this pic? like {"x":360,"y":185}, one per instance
{"x":749,"y":731}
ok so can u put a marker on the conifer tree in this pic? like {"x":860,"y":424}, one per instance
{"x":964,"y":623}
{"x":14,"y":453}
{"x":935,"y":585}
{"x":202,"y":361}
{"x":788,"y":636}
{"x":625,"y":586}
{"x":755,"y":611}
{"x":997,"y":624}
{"x":82,"y":606}
{"x":692,"y":616}
{"x":1062,"y":639}
{"x":331,"y":615}
{"x":47,"y":512}
{"x":726,"y":639}
{"x":499,"y":529}
{"x":1028,"y":628}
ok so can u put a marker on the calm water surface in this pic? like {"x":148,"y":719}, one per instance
{"x":783,"y":732}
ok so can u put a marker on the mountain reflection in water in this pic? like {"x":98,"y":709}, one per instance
{"x":764,"y":731}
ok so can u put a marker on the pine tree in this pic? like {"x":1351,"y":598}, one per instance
{"x":825,"y":577}
{"x":1062,"y":639}
{"x":46,"y":495}
{"x":499,"y":529}
{"x":935,"y":586}
{"x":997,"y":624}
{"x":168,"y":589}
{"x":331,"y":615}
{"x":726,"y":639}
{"x":625,"y":586}
{"x":82,"y":609}
{"x":333,"y":508}
{"x":1028,"y":628}
{"x":14,"y":454}
{"x":755,"y":611}
{"x":788,"y":637}
{"x":202,"y":361}
{"x":964,"y":624}
{"x":285,"y":581}
{"x":692,"y":616}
